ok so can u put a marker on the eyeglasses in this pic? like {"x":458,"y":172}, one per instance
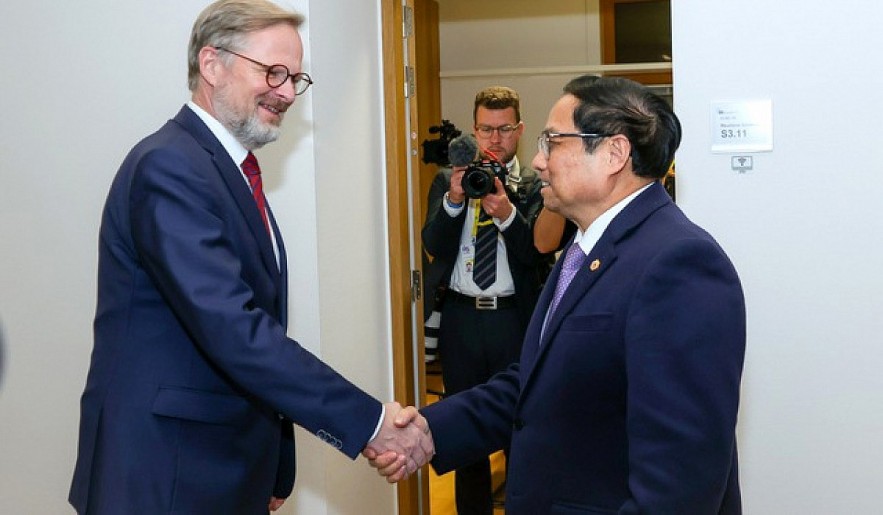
{"x":277,"y":74}
{"x":506,"y":131}
{"x":546,"y":136}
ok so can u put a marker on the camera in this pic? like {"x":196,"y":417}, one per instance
{"x":435,"y":151}
{"x":478,"y":179}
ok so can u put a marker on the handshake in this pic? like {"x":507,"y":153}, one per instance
{"x":403,"y":444}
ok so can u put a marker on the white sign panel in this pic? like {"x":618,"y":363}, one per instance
{"x":743,"y":126}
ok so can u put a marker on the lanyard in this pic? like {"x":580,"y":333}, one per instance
{"x":476,"y":209}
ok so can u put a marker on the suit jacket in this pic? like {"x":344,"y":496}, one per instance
{"x":193,"y":384}
{"x":441,"y":239}
{"x":627,"y":402}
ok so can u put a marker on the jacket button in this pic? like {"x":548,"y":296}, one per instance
{"x":518,"y":424}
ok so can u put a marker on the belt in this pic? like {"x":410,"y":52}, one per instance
{"x":481,"y":303}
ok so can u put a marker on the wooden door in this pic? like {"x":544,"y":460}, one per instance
{"x":412,"y":102}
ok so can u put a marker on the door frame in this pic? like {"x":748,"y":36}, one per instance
{"x":402,"y":78}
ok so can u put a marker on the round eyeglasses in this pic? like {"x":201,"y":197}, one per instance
{"x":506,"y":131}
{"x":546,"y":136}
{"x":277,"y":74}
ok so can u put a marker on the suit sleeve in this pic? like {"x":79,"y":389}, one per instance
{"x":285,"y":473}
{"x":472,"y":424}
{"x":441,"y":232}
{"x":685,"y":344}
{"x":196,"y":258}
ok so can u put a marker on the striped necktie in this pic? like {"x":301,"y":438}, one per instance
{"x":484,"y":272}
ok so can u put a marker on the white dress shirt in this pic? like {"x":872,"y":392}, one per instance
{"x":461,"y":277}
{"x":234,"y":149}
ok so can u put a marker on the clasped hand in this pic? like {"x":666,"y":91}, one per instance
{"x":403,"y":444}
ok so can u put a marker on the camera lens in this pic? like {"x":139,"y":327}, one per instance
{"x":477,"y":182}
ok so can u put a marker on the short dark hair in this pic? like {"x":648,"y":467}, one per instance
{"x":497,"y":97}
{"x":615,"y":105}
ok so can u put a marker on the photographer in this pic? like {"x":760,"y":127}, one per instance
{"x":484,"y":256}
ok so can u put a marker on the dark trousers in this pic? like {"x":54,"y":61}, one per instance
{"x":473,"y":346}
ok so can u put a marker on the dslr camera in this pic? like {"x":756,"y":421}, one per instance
{"x":478,"y":179}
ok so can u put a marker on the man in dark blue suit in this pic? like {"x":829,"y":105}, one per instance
{"x":193,"y":384}
{"x":627,"y":391}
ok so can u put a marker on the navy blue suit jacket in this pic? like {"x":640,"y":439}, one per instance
{"x":627,"y":402}
{"x":193,"y":384}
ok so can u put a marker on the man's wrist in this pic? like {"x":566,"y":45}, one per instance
{"x":451,"y":203}
{"x":379,"y":423}
{"x":506,"y":222}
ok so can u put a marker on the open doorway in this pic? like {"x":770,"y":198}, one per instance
{"x":451,"y":49}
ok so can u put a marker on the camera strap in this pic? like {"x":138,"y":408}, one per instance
{"x":484,"y":271}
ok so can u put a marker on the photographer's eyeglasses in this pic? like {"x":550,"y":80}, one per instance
{"x":546,"y":136}
{"x":506,"y":131}
{"x":277,"y":74}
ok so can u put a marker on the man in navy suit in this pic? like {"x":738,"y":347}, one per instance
{"x":627,"y":391}
{"x":193,"y":384}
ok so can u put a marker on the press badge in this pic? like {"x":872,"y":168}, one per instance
{"x":468,"y":252}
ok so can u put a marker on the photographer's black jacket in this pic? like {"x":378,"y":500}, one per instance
{"x":441,"y":241}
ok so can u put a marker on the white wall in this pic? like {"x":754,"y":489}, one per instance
{"x":803,"y":227}
{"x":805,"y":232}
{"x":81,"y":83}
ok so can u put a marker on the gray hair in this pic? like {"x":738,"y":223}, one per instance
{"x":225,"y":24}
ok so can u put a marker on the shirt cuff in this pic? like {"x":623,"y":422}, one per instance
{"x":452,"y":209}
{"x":502,"y":226}
{"x":379,"y":423}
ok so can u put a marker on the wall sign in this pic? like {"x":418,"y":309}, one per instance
{"x":742,"y":126}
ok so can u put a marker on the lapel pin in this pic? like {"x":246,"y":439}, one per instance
{"x":596,"y":264}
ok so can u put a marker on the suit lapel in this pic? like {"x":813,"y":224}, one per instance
{"x":535,"y":327}
{"x":233,"y":178}
{"x":281,"y":278}
{"x":598,"y":261}
{"x":602,"y":257}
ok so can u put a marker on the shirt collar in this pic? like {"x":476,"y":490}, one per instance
{"x":513,"y":178}
{"x":514,"y":167}
{"x":588,"y":239}
{"x":234,"y":148}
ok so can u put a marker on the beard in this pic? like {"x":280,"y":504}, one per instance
{"x":244,"y":123}
{"x":253,"y":133}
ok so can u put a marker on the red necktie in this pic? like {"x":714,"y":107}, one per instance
{"x":253,"y":172}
